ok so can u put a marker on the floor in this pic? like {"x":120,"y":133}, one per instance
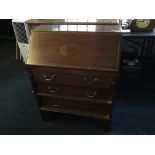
{"x":133,"y":113}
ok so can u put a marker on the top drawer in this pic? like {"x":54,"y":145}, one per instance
{"x":82,"y":78}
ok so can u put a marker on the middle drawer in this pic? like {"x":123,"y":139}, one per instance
{"x":73,"y":91}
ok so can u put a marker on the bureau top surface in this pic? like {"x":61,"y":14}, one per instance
{"x":78,"y":50}
{"x":73,"y":21}
{"x":79,"y":28}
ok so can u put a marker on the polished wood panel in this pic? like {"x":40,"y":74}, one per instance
{"x":79,"y":92}
{"x":74,"y":21}
{"x":75,"y":107}
{"x":108,"y":24}
{"x":78,"y":28}
{"x":72,"y":77}
{"x":75,"y":50}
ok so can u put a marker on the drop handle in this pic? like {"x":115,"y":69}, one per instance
{"x":86,"y":79}
{"x":96,"y":80}
{"x":49,"y":79}
{"x":58,"y":104}
{"x":53,"y":90}
{"x":90,"y":94}
{"x":91,"y":81}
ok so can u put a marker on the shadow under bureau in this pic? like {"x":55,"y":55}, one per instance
{"x":74,"y":72}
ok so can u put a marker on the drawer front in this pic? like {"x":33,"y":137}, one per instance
{"x":73,"y":77}
{"x":77,"y":92}
{"x":72,"y":106}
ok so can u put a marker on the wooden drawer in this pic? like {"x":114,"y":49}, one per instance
{"x":75,"y":107}
{"x":77,"y":92}
{"x":82,"y":78}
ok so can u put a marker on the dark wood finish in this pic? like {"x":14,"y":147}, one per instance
{"x":74,"y":72}
{"x":33,"y":23}
{"x":78,"y":92}
{"x":75,"y":50}
{"x":72,"y":77}
{"x":105,"y":124}
{"x":74,"y":21}
{"x":91,"y":109}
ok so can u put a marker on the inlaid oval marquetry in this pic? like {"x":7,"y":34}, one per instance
{"x":70,"y":49}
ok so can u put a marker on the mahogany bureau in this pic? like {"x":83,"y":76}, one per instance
{"x":74,"y":72}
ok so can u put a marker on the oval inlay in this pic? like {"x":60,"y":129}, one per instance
{"x":70,"y":49}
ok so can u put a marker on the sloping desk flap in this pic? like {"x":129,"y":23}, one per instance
{"x":85,"y":50}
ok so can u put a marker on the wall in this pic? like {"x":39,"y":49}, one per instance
{"x":6,"y":29}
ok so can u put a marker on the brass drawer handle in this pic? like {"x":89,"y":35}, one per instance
{"x":90,"y":95}
{"x":96,"y":80}
{"x":49,"y":79}
{"x":56,"y":105}
{"x":91,"y":106}
{"x":91,"y":81}
{"x":53,"y":90}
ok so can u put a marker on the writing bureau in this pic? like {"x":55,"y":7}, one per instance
{"x":74,"y":71}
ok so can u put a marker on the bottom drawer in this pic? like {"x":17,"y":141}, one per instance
{"x":74,"y":107}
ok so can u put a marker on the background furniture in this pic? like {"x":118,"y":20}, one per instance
{"x":22,"y":37}
{"x":138,"y":47}
{"x":148,"y":40}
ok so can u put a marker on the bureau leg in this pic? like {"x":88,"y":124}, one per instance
{"x":47,"y":115}
{"x":106,"y":124}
